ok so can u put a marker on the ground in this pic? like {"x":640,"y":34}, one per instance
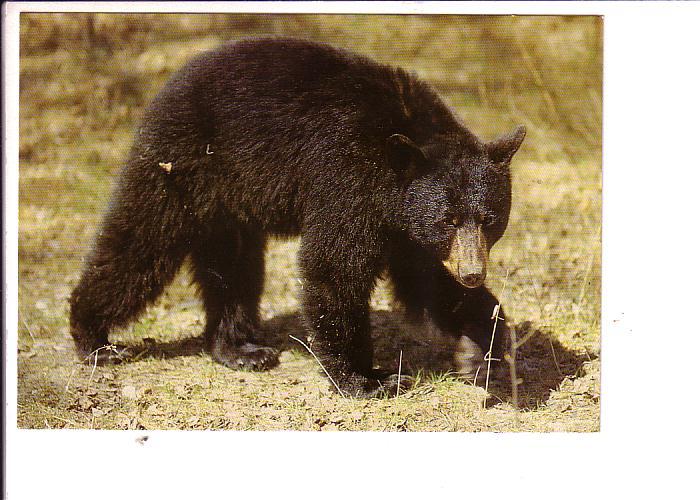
{"x":82,"y":92}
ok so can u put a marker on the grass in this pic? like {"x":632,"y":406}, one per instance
{"x":85,"y":79}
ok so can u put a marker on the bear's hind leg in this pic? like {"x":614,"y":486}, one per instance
{"x":126,"y":271}
{"x":229,"y":269}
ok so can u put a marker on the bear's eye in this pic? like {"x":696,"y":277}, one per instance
{"x":487,"y":220}
{"x":453,"y":220}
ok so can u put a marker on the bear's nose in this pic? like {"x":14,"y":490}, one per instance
{"x":473,"y":280}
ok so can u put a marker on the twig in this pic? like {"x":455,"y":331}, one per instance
{"x":526,"y":338}
{"x":109,"y":347}
{"x":487,"y":357}
{"x":589,"y":268}
{"x":495,"y":317}
{"x":94,"y":363}
{"x":554,"y":355}
{"x":70,"y":422}
{"x":21,"y":316}
{"x":398,"y":385}
{"x":450,"y":424}
{"x":513,"y":375}
{"x":70,"y":379}
{"x":476,"y":375}
{"x":320,"y":364}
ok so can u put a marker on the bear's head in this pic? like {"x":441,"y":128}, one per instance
{"x":456,"y":196}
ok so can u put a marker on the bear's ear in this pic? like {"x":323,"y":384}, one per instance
{"x":502,"y":149}
{"x":405,"y":157}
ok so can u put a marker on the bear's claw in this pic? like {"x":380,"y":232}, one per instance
{"x":107,"y":354}
{"x":246,"y":356}
{"x":380,"y":387}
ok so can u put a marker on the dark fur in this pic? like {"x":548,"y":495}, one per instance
{"x":285,"y":137}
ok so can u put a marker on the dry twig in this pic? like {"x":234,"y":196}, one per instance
{"x":495,"y":317}
{"x":320,"y":364}
{"x":398,"y":385}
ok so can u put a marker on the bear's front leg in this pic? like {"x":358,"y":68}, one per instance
{"x":337,"y":285}
{"x":342,"y":343}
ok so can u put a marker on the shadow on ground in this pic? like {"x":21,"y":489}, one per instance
{"x":542,"y":361}
{"x":542,"y":364}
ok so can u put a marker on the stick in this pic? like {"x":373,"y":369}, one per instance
{"x":513,"y":375}
{"x":398,"y":385}
{"x":320,"y":364}
{"x":496,"y":312}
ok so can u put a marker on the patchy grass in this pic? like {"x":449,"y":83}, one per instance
{"x":84,"y":82}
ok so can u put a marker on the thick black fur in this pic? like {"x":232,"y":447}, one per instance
{"x":286,"y":137}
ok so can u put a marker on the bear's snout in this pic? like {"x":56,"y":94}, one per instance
{"x":468,"y":257}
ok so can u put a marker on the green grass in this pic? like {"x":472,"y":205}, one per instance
{"x":81,"y":94}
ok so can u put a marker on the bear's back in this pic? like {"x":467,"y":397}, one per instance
{"x":276,"y":128}
{"x":277,"y":87}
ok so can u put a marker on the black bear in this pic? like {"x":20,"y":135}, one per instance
{"x":287,"y":137}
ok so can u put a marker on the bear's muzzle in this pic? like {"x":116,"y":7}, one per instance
{"x":469,"y":256}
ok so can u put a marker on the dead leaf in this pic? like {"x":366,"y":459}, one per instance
{"x":85,"y":403}
{"x":182,"y":391}
{"x":357,"y":415}
{"x":129,"y":392}
{"x":123,"y":422}
{"x":153,"y":409}
{"x":232,"y":415}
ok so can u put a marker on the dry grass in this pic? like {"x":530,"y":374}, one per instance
{"x":84,"y":82}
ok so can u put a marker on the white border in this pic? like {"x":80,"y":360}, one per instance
{"x":322,"y":7}
{"x":10,"y":172}
{"x":649,"y":437}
